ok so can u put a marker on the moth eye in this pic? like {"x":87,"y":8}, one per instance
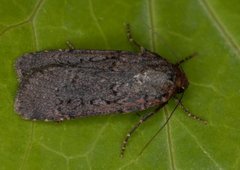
{"x":181,"y":89}
{"x":164,"y":97}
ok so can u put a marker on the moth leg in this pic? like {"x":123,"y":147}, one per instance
{"x":70,"y":45}
{"x":189,"y":114}
{"x":186,"y":59}
{"x":131,"y":40}
{"x":143,"y":119}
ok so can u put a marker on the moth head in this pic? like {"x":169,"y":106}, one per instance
{"x":181,"y":80}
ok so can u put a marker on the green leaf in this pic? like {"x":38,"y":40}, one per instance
{"x":174,"y":29}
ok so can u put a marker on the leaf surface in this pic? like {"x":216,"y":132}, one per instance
{"x":173,"y":29}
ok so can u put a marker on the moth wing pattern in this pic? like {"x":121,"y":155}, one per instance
{"x":57,"y":85}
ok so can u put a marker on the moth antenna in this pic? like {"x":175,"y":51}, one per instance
{"x":189,"y":113}
{"x":159,"y":130}
{"x":186,"y":59}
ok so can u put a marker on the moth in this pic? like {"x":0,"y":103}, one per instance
{"x":67,"y":84}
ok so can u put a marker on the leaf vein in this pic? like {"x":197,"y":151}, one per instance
{"x":200,"y":146}
{"x":209,"y":86}
{"x":150,"y":7}
{"x":97,"y":23}
{"x":153,"y":47}
{"x":29,"y":19}
{"x":220,"y":27}
{"x":169,"y":139}
{"x":29,"y":147}
{"x":98,"y":136}
{"x":53,"y":151}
